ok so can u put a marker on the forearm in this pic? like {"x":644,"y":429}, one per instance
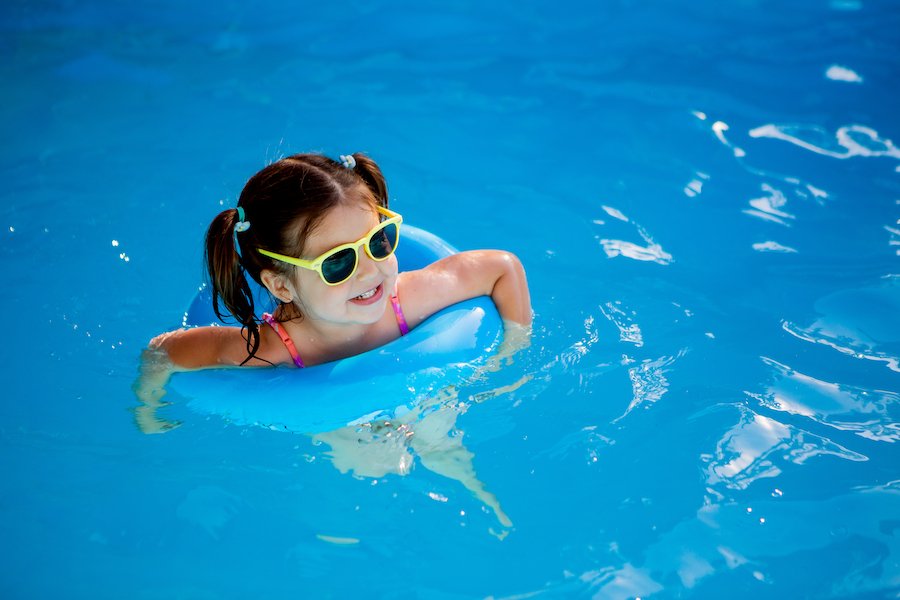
{"x":149,"y":388}
{"x":510,"y":292}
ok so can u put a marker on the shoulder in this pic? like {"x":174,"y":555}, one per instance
{"x":450,"y":280}
{"x":210,"y":347}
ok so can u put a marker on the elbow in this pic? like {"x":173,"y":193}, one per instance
{"x":510,"y":292}
{"x":163,"y":341}
{"x":510,"y":270}
{"x":173,"y":347}
{"x":512,"y":263}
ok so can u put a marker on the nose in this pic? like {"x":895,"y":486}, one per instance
{"x":367,"y":268}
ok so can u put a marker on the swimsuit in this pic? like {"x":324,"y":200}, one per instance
{"x":292,"y":349}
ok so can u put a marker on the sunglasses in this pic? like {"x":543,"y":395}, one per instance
{"x":339,"y":264}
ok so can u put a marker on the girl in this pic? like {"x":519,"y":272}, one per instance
{"x":319,"y":236}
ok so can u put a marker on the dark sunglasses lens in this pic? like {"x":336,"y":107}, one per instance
{"x":338,"y":267}
{"x":383,"y":243}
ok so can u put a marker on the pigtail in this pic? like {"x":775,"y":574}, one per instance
{"x":369,"y":172}
{"x":285,"y":201}
{"x":228,"y":281}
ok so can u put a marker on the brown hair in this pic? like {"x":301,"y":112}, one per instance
{"x":283,"y":203}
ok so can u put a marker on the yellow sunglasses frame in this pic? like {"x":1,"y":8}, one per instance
{"x":316,"y":263}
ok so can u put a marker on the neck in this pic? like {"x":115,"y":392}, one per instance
{"x":323,"y":341}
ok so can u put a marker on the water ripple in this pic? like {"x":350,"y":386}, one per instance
{"x":753,"y":448}
{"x":860,"y":322}
{"x":800,"y":188}
{"x":816,"y":336}
{"x":579,"y":349}
{"x":866,"y":413}
{"x":648,"y":382}
{"x":772,"y":246}
{"x":651,"y":252}
{"x":695,"y":186}
{"x":628,"y":330}
{"x":587,"y":442}
{"x":849,"y":141}
{"x":769,"y":207}
{"x":839,"y":73}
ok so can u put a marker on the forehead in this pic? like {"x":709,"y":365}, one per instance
{"x":345,"y":223}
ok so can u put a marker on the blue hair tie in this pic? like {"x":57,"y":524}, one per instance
{"x":241,"y":225}
{"x":348,"y":161}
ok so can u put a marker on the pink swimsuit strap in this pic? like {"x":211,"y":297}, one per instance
{"x":289,"y":343}
{"x":398,"y":312}
{"x":285,"y":338}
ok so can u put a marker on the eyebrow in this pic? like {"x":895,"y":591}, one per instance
{"x":334,"y":244}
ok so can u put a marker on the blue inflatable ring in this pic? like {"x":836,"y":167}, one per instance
{"x":446,"y":349}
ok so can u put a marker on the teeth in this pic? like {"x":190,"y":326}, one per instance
{"x":367,"y":295}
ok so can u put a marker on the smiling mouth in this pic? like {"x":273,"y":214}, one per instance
{"x":370,"y":296}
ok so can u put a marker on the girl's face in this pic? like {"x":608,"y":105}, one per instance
{"x":363,"y":298}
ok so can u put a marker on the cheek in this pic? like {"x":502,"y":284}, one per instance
{"x":308,"y":286}
{"x":314,"y":292}
{"x":388,"y":267}
{"x":305,"y":279}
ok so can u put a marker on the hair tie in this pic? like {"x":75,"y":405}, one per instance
{"x":241,"y":225}
{"x":348,"y":161}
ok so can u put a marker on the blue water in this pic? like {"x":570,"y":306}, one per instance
{"x":705,"y":197}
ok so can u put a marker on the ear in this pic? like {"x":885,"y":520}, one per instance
{"x":278,"y":285}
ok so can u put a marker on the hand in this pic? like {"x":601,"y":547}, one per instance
{"x":149,"y":387}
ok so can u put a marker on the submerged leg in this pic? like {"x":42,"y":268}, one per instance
{"x":373,"y":450}
{"x":440,"y":449}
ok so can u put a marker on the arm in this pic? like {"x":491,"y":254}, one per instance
{"x":493,"y":273}
{"x":510,"y":287}
{"x":150,"y":387}
{"x":166,"y":354}
{"x":211,"y":347}
{"x":194,"y":348}
{"x":184,"y":349}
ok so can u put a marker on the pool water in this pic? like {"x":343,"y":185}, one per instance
{"x":706,"y":199}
